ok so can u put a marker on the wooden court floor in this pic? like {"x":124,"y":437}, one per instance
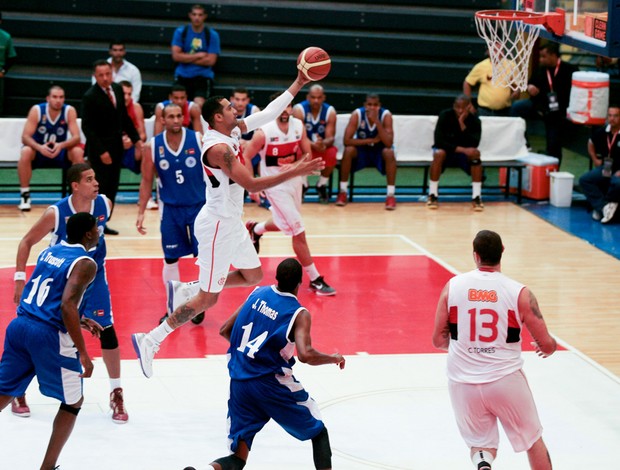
{"x":572,"y":280}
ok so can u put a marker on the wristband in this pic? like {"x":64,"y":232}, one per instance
{"x":19,"y":276}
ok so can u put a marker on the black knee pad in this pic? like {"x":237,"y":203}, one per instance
{"x":171,"y":260}
{"x":70,"y":409}
{"x":108,"y":338}
{"x":321,"y":450}
{"x":232,"y":462}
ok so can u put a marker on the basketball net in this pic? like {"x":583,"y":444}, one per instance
{"x":510,"y":46}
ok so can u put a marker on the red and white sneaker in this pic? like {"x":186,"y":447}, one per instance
{"x":390,"y":203}
{"x":119,"y":414}
{"x":341,"y":200}
{"x":19,"y":407}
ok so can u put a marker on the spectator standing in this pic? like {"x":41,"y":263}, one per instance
{"x":104,"y":119}
{"x":601,"y":185}
{"x":492,"y":100}
{"x":368,"y":140}
{"x":46,"y":140}
{"x":263,"y":333}
{"x":7,"y":59}
{"x":123,"y":70}
{"x":549,"y":90}
{"x":45,"y":338}
{"x":195,"y":48}
{"x":478,"y":320}
{"x":319,"y":119}
{"x":457,"y":136}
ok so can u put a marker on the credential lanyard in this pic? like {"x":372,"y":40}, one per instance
{"x":610,"y":143}
{"x":549,"y":79}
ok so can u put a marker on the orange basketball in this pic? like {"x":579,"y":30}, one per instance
{"x":314,"y":63}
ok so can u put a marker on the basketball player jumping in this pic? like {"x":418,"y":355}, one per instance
{"x":222,"y":237}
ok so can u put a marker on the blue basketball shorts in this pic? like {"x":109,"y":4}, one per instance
{"x":32,"y":347}
{"x":254,"y":402}
{"x":177,"y":230}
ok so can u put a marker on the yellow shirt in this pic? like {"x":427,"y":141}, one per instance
{"x":489,"y":96}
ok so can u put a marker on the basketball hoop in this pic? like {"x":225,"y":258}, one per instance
{"x":510,"y":41}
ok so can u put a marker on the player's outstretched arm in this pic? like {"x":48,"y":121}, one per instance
{"x":275,"y":108}
{"x":221,"y":156}
{"x":303,"y":342}
{"x":533,"y":320}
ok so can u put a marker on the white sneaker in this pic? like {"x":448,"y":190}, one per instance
{"x":24,"y":202}
{"x":146,"y":348}
{"x":180,"y":293}
{"x":152,"y":204}
{"x":608,"y":212}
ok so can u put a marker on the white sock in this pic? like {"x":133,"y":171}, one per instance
{"x":391,"y":190}
{"x":476,"y":190}
{"x":114,"y":384}
{"x":260,"y":228}
{"x":160,"y":332}
{"x":480,"y":456}
{"x":170,"y":272}
{"x":312,"y":272}
{"x":433,"y":187}
{"x":322,"y":181}
{"x":344,"y":186}
{"x":24,"y":190}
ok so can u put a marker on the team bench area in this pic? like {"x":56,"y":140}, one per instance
{"x":502,"y":144}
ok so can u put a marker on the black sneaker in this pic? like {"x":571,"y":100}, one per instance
{"x":320,"y":287}
{"x":323,"y":194}
{"x":197,"y":320}
{"x":250,"y":224}
{"x":476,"y":204}
{"x":432,"y":202}
{"x":24,"y":202}
{"x":484,"y":466}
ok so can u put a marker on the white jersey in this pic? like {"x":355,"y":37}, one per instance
{"x":224,"y":196}
{"x":281,"y":148}
{"x":485,"y":327}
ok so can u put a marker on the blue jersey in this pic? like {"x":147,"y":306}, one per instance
{"x":259,"y":343}
{"x":42,"y":296}
{"x":315,"y":125}
{"x":99,"y":209}
{"x":364,"y":129}
{"x":181,"y":179}
{"x":48,"y":130}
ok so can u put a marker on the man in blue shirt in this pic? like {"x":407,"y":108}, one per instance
{"x":195,"y":48}
{"x":263,"y":335}
{"x":45,"y":338}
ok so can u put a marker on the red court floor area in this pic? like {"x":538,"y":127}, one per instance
{"x":384,"y":305}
